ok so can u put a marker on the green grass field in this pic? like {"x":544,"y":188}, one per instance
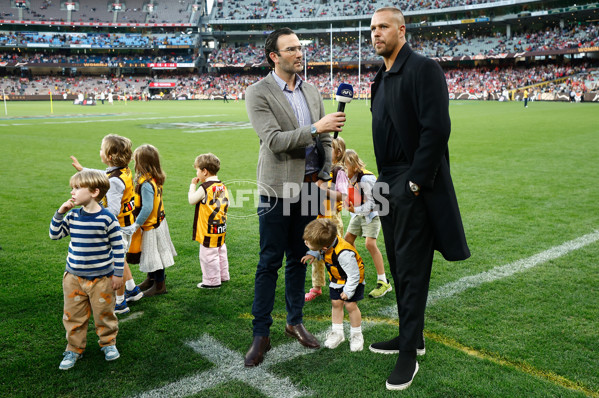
{"x":527,"y":184}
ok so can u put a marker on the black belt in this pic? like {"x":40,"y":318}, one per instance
{"x":313,"y":177}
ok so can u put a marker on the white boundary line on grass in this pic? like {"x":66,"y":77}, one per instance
{"x":109,"y":120}
{"x":503,"y":271}
{"x":135,"y":315}
{"x":229,"y":367}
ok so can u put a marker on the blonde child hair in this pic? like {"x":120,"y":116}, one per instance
{"x":207,"y":161}
{"x":351,"y":158}
{"x":147,"y":161}
{"x":338,"y":150}
{"x":117,"y":150}
{"x":320,"y":232}
{"x":92,"y":180}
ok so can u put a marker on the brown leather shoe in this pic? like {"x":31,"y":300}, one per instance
{"x":255,"y":355}
{"x":304,"y":337}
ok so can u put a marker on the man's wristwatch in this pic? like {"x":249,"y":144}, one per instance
{"x":313,"y":131}
{"x":415,"y":188}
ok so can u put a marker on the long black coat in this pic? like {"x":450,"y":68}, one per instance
{"x":417,"y":101}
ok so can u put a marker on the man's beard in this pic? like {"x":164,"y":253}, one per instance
{"x":384,"y":51}
{"x":291,"y":68}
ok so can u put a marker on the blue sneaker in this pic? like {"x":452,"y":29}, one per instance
{"x":110,"y":352}
{"x":69,"y":360}
{"x":121,"y":308}
{"x":133,"y":295}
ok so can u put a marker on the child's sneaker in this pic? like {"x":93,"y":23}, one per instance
{"x":381,"y":289}
{"x":110,"y":352}
{"x":333,"y":340}
{"x":356,"y":342}
{"x":133,"y":295}
{"x":121,"y":308}
{"x":69,"y":360}
{"x":312,"y":294}
{"x":203,"y":286}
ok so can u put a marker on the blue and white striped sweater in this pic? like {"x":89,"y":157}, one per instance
{"x":96,"y":247}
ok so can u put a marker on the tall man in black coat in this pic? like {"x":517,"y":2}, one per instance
{"x":410,"y":129}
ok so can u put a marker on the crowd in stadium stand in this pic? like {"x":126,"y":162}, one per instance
{"x":257,"y":9}
{"x":475,"y":81}
{"x":575,"y":36}
{"x":481,"y":80}
{"x":95,"y":40}
{"x":178,"y":11}
{"x":40,"y":58}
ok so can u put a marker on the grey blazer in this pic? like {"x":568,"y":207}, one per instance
{"x":282,"y":160}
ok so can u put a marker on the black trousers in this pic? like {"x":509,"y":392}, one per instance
{"x":409,"y":242}
{"x":281,"y":236}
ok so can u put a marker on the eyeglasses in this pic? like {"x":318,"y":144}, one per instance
{"x":291,"y":50}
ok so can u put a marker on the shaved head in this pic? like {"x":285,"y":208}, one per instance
{"x":388,"y":33}
{"x":395,"y":12}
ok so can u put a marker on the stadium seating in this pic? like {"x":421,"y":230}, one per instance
{"x":96,"y":40}
{"x":259,"y":9}
{"x":584,"y":35}
{"x":176,"y":11}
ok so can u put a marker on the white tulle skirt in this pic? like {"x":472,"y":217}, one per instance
{"x":157,"y":250}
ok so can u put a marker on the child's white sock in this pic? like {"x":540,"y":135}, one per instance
{"x":130,"y":284}
{"x":382,"y":277}
{"x":120,"y":299}
{"x":338,"y":327}
{"x":356,"y":330}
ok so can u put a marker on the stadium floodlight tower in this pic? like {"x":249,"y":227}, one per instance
{"x":200,"y":8}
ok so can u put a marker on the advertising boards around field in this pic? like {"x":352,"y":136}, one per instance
{"x":163,"y":85}
{"x":593,"y":96}
{"x":163,"y":65}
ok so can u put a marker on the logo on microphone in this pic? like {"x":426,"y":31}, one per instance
{"x":347,"y":93}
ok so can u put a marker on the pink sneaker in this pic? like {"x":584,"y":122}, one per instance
{"x":312,"y":294}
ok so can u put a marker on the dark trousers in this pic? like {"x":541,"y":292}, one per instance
{"x":281,"y":234}
{"x":409,"y":244}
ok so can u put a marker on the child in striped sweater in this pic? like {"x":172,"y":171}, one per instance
{"x":94,"y":266}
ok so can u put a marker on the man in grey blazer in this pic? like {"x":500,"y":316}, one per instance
{"x":295,"y":156}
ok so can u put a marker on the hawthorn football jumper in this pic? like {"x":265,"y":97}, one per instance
{"x":210,"y":220}
{"x":125,"y":215}
{"x":336,"y":273}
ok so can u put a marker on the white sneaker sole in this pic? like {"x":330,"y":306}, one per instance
{"x":356,"y":349}
{"x":379,"y":351}
{"x":420,"y":351}
{"x":404,"y":385}
{"x":112,"y":359}
{"x":330,"y":347}
{"x":67,"y":367}
{"x":135,"y":298}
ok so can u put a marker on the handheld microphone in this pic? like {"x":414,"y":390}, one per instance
{"x":345,"y":93}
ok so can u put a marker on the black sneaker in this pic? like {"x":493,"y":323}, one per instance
{"x":403,"y":374}
{"x":392,"y":346}
{"x":386,"y":347}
